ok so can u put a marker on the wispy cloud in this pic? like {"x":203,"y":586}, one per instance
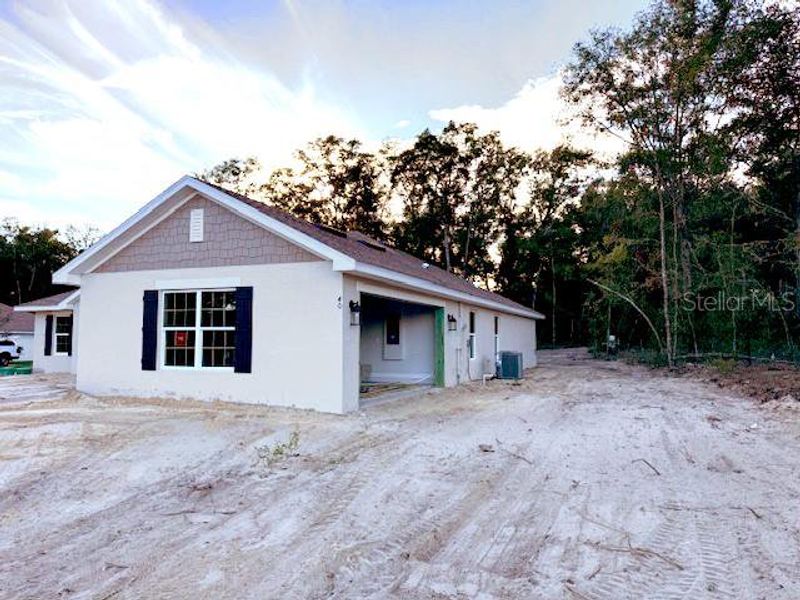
{"x":103,"y":104}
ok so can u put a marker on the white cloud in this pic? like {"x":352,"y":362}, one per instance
{"x":102,"y":105}
{"x":536,"y":117}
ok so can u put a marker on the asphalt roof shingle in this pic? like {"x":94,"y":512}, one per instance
{"x":14,"y":322}
{"x":367,"y":250}
{"x":48,"y":300}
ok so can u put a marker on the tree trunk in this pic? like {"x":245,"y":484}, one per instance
{"x":664,"y":277}
{"x":676,"y":279}
{"x":796,"y":209}
{"x":553,"y":312}
{"x":731,"y":259}
{"x":465,"y":257}
{"x":447,"y":249}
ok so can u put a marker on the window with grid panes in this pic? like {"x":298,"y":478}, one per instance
{"x":199,"y":328}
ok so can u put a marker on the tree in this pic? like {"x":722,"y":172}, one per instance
{"x":703,"y":202}
{"x":762,"y":87}
{"x":80,"y":238}
{"x":432,"y":178}
{"x":338,"y":184}
{"x":30,"y":256}
{"x":656,"y":87}
{"x":539,"y":239}
{"x":235,"y":174}
{"x":495,"y":201}
{"x":456,"y":188}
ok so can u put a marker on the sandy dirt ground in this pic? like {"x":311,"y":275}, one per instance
{"x":764,"y":382}
{"x":588,"y":480}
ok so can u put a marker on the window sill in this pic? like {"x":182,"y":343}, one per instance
{"x":197,"y":369}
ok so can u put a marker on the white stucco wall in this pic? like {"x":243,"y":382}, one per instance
{"x":351,"y":378}
{"x":298,"y":324}
{"x":518,"y":334}
{"x":55,"y":363}
{"x":415,"y":355}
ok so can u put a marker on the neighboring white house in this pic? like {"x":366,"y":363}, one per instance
{"x":207,"y":294}
{"x":17,"y":327}
{"x":54,"y":334}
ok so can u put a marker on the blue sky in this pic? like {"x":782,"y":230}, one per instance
{"x":103,"y":104}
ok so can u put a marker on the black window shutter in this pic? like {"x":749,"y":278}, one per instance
{"x":149,"y":330}
{"x":48,"y":335}
{"x":243,"y":355}
{"x":69,"y":339}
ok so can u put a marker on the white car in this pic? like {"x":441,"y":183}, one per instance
{"x":9,"y":351}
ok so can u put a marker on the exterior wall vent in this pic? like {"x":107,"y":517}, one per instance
{"x":196,"y":225}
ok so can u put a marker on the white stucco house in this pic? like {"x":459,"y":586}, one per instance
{"x":18,"y":328}
{"x":54,"y":335}
{"x":207,"y":294}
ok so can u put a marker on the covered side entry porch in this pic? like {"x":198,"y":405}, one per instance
{"x":401,"y":345}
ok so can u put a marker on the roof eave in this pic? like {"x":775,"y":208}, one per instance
{"x":70,"y":274}
{"x":65,"y":304}
{"x":420,"y":284}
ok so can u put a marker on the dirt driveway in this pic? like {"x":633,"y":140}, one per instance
{"x":588,"y":480}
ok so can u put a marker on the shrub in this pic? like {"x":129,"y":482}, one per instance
{"x":272,"y":454}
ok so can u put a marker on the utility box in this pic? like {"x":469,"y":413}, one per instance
{"x":509,"y":365}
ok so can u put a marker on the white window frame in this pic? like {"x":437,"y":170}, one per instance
{"x":56,"y":335}
{"x":472,"y":343}
{"x":198,"y":331}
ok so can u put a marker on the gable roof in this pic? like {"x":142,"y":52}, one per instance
{"x":14,"y":322}
{"x":62,"y":301}
{"x":364,"y":249}
{"x":349,"y":251}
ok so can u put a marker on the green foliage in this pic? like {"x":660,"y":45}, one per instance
{"x":457,"y":189}
{"x":235,"y":174}
{"x":643,"y":356}
{"x":724,"y":365}
{"x":703,"y":207}
{"x":338,"y":184}
{"x":676,"y":227}
{"x":29,"y":256}
{"x":271,"y":454}
{"x":539,"y":241}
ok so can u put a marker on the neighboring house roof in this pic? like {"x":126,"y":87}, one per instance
{"x":14,"y":322}
{"x":62,"y":301}
{"x":350,"y":251}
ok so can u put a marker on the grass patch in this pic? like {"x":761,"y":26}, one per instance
{"x":650,"y":358}
{"x":724,"y":365}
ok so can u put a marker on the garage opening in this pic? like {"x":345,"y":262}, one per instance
{"x":400,"y":348}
